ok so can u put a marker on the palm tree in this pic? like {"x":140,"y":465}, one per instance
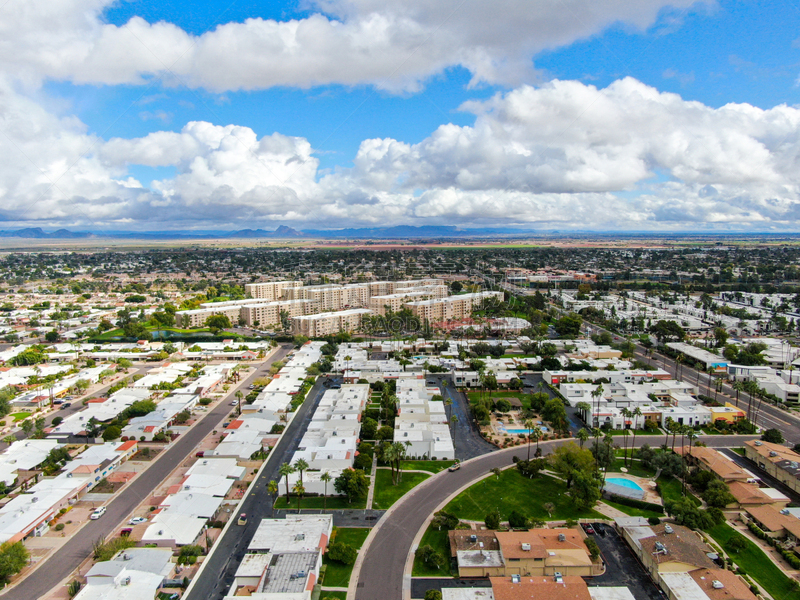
{"x":389,"y":454}
{"x":447,"y":402}
{"x":582,"y":435}
{"x":347,"y":360}
{"x":454,"y":421}
{"x":636,"y":412}
{"x":596,"y":394}
{"x":284,"y":471}
{"x":537,"y":435}
{"x":272,"y":488}
{"x":529,"y":426}
{"x":239,"y":395}
{"x":584,"y":407}
{"x":299,"y":490}
{"x":667,"y":428}
{"x":301,"y":465}
{"x":626,"y":414}
{"x":325,"y":478}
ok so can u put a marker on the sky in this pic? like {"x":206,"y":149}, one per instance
{"x":541,"y":115}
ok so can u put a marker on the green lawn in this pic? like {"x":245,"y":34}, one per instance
{"x":497,"y":394}
{"x":621,"y":432}
{"x":633,"y":512}
{"x":511,"y":491}
{"x":19,"y":416}
{"x":756,"y":564}
{"x":432,"y":466}
{"x":337,"y":595}
{"x":739,"y":451}
{"x":440,"y":542}
{"x":635,"y":468}
{"x":670,"y":489}
{"x":337,"y":574}
{"x":333,"y":502}
{"x":387,"y":494}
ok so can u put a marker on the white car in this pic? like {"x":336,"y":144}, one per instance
{"x":98,"y":512}
{"x":137,"y":520}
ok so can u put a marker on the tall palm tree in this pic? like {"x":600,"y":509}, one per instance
{"x":284,"y":471}
{"x":389,"y":454}
{"x":325,"y":478}
{"x":448,"y":402}
{"x":585,"y":408}
{"x":637,"y":412}
{"x":537,"y":435}
{"x":668,"y":429}
{"x":529,"y":426}
{"x":582,"y":435}
{"x":626,"y":414}
{"x":272,"y":488}
{"x":454,"y":421}
{"x":301,"y":465}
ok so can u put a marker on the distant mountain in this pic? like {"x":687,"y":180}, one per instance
{"x":39,"y":233}
{"x":412,"y":231}
{"x":281,"y":232}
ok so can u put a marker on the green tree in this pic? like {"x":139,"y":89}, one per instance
{"x":569,"y":460}
{"x":343,"y":553}
{"x":569,"y":326}
{"x":773,"y":436}
{"x":216,"y":323}
{"x":492,"y":520}
{"x":434,"y":594}
{"x":284,"y":471}
{"x":111,"y":432}
{"x":13,"y":558}
{"x":429,"y":557}
{"x":718,"y":494}
{"x":325,"y":478}
{"x":353,"y":484}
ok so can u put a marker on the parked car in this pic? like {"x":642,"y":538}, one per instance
{"x":137,"y":520}
{"x":588,"y":529}
{"x":200,"y":454}
{"x":125,"y":532}
{"x":66,"y":405}
{"x":98,"y":512}
{"x":242,"y":519}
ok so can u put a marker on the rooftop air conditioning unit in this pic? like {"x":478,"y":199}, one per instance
{"x":526,"y":547}
{"x":562,"y":537}
{"x":717,"y":584}
{"x":668,"y":528}
{"x":473,"y":538}
{"x":515,"y":579}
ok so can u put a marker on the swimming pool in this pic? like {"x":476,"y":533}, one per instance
{"x":523,"y":430}
{"x":624,"y":483}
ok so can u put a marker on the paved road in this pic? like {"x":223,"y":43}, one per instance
{"x":217,"y":576}
{"x":65,"y":560}
{"x":394,"y":534}
{"x":468,"y":440}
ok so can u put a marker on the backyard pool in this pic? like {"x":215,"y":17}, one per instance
{"x":522,"y":430}
{"x":627,"y":483}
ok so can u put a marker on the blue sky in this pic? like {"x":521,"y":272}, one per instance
{"x":452,"y":115}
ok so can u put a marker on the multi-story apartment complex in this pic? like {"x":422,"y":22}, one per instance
{"x":197,"y":318}
{"x":269,"y":313}
{"x":270,"y":290}
{"x":395,"y":302}
{"x":453,"y":307}
{"x":328,"y":323}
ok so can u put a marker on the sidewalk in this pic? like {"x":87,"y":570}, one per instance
{"x":373,"y":476}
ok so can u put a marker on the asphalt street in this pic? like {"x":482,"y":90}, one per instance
{"x":467,"y":438}
{"x":394,"y":535}
{"x":217,"y":576}
{"x":67,"y":558}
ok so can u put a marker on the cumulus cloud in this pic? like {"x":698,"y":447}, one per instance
{"x":395,"y":46}
{"x":565,"y":155}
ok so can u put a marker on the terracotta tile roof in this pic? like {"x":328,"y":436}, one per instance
{"x":734,"y":588}
{"x":712,"y":460}
{"x":683,"y":545}
{"x":125,"y":446}
{"x":771,"y":519}
{"x":235,"y":424}
{"x":781,"y":451}
{"x":749,"y":493}
{"x":536,"y":588}
{"x":511,"y":544}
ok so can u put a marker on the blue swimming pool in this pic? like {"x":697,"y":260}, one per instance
{"x":523,"y":430}
{"x":624,"y":483}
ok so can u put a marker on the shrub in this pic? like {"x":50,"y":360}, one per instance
{"x":517,"y":520}
{"x":188,"y":555}
{"x":60,"y":527}
{"x":636,"y":503}
{"x":433,"y":595}
{"x":343,"y":553}
{"x":592,"y":547}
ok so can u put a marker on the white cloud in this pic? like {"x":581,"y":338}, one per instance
{"x":563,"y":155}
{"x":395,"y":46}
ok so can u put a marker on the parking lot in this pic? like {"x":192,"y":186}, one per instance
{"x":622,"y":567}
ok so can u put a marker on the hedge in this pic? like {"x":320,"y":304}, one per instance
{"x":636,"y":503}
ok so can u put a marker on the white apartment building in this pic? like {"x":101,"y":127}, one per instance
{"x":422,"y":422}
{"x":197,"y":317}
{"x":322,"y":324}
{"x":263,"y":314}
{"x":270,"y":290}
{"x":453,"y":307}
{"x":395,"y":302}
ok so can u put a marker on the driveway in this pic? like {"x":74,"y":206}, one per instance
{"x":622,"y":567}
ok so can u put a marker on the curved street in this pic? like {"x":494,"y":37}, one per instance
{"x":379,"y":575}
